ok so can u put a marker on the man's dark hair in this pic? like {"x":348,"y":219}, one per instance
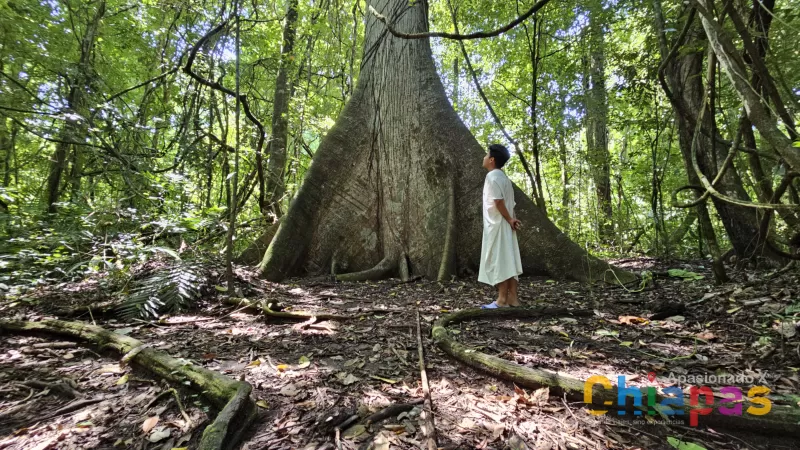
{"x":500,"y":154}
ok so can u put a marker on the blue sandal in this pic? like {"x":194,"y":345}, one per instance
{"x":492,"y":305}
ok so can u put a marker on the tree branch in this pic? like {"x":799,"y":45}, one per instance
{"x":734,"y":66}
{"x":456,"y":36}
{"x":219,"y":87}
{"x":493,"y":113}
{"x":144,"y":83}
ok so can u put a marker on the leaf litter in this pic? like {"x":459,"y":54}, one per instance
{"x":306,"y":379}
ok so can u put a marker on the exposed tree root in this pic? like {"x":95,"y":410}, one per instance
{"x":75,"y":406}
{"x":403,"y":269}
{"x":265,"y":309}
{"x":783,"y":418}
{"x":392,"y":411}
{"x":232,"y":397}
{"x":64,"y":387}
{"x":102,"y":309}
{"x":379,"y":272}
{"x":448,"y":264}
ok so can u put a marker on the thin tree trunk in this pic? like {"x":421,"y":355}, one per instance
{"x":75,"y":126}
{"x":6,"y":149}
{"x":731,"y":61}
{"x":456,"y":81}
{"x":686,"y":224}
{"x":5,"y":145}
{"x":534,"y":46}
{"x":655,"y":189}
{"x":275,"y":183}
{"x":566,"y":198}
{"x":679,"y":76}
{"x":597,"y":122}
{"x":210,"y":155}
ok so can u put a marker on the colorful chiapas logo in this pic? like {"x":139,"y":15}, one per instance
{"x":673,"y":401}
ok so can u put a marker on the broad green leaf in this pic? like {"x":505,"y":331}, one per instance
{"x":683,"y":445}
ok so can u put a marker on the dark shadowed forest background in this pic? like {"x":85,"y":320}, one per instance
{"x":313,"y":162}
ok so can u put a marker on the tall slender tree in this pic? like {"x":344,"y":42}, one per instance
{"x":275,"y":184}
{"x":74,"y":131}
{"x":597,"y":120}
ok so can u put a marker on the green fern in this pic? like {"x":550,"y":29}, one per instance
{"x":165,"y":291}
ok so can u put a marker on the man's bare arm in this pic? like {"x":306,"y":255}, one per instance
{"x":500,"y":204}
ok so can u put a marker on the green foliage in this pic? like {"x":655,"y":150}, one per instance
{"x":152,"y":147}
{"x":683,"y":445}
{"x":685,"y":274}
{"x":168,"y":290}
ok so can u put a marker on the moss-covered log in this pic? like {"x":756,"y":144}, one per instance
{"x":230,"y":396}
{"x":783,"y":416}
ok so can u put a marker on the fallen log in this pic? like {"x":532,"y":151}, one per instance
{"x":232,"y":397}
{"x":771,"y":413}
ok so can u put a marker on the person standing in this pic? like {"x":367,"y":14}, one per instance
{"x":501,"y":264}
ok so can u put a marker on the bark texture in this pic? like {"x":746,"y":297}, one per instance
{"x":381,"y":182}
{"x":597,"y":122}
{"x":280,"y":115}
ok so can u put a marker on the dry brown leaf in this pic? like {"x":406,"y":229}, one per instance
{"x":706,"y":336}
{"x":290,"y":390}
{"x":354,"y":431}
{"x":381,"y":442}
{"x":467,"y":423}
{"x":632,"y":320}
{"x":540,"y":395}
{"x":149,"y":424}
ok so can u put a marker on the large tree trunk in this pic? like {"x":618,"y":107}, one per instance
{"x":760,"y":20}
{"x":397,"y":182}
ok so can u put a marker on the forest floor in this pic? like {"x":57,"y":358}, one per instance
{"x":305,"y":373}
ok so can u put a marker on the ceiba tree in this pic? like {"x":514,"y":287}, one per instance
{"x":395,"y":187}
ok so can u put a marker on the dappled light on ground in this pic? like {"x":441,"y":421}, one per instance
{"x":310,"y":376}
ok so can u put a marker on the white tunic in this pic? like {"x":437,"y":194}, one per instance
{"x":500,"y":258}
